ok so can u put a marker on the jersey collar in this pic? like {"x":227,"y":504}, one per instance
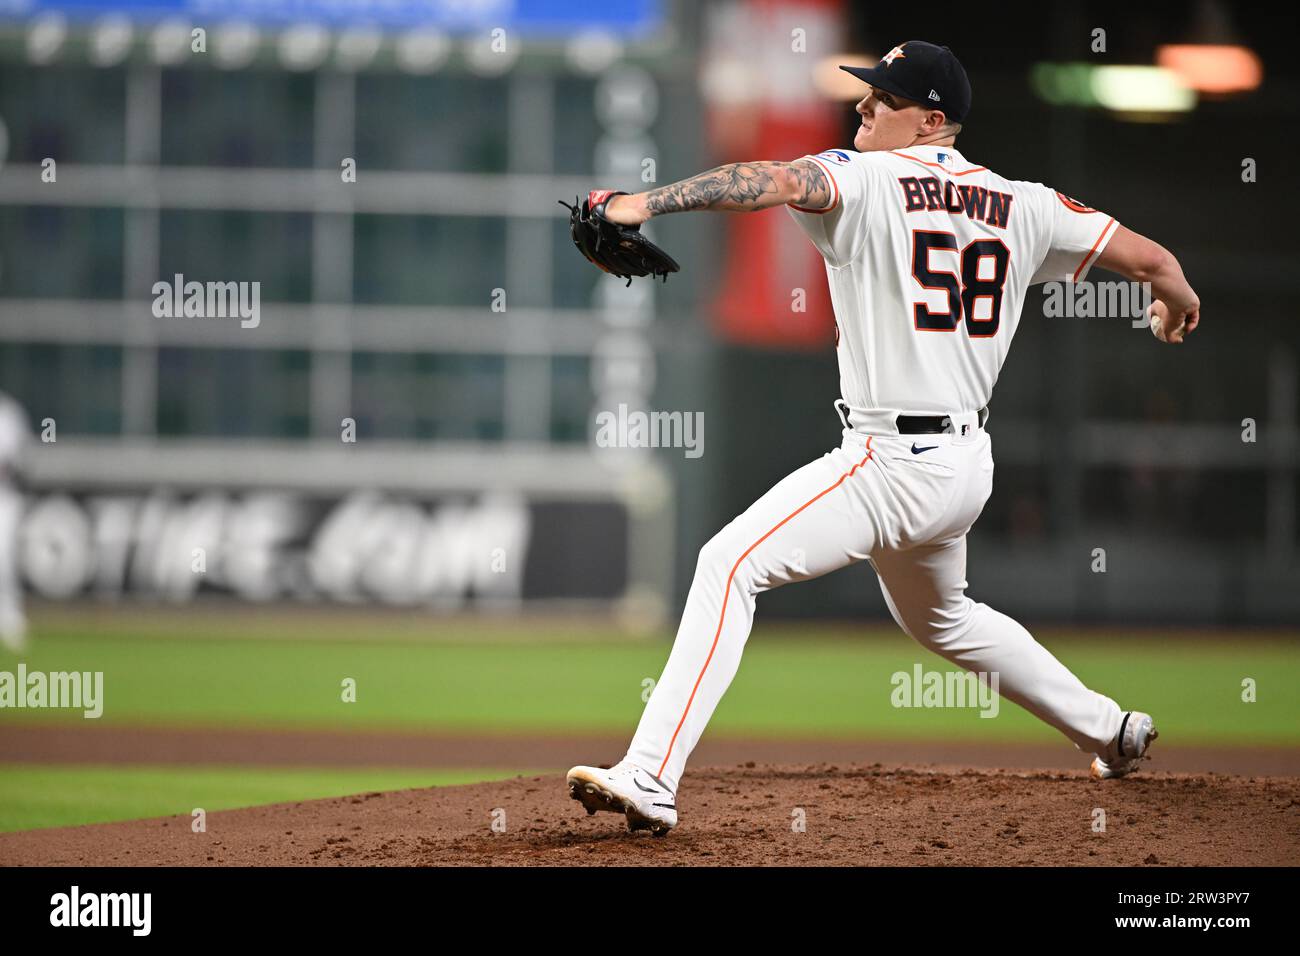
{"x":944,"y":155}
{"x":945,"y":158}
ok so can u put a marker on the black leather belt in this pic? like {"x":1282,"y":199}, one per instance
{"x":930,"y":424}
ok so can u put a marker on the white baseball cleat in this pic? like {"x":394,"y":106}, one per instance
{"x":1129,"y":747}
{"x":626,"y":788}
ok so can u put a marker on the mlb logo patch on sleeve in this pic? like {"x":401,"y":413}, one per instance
{"x":835,"y":156}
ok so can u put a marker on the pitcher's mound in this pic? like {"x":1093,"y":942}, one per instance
{"x":750,"y":814}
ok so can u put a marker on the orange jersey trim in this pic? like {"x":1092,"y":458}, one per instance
{"x":1091,"y":252}
{"x":967,"y":172}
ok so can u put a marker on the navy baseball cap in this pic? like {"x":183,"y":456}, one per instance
{"x":932,"y":75}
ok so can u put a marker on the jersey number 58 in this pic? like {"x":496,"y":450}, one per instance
{"x":964,"y":291}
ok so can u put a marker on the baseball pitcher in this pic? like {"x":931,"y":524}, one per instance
{"x":928,"y":257}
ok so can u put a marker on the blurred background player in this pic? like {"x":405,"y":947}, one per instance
{"x":15,"y":436}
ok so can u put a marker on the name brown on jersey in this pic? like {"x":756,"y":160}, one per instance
{"x":930,"y":193}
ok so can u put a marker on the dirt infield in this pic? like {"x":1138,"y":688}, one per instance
{"x":746,"y":814}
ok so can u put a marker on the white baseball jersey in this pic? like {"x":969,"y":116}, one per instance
{"x":928,"y":259}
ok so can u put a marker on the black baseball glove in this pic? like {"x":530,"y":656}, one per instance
{"x":619,"y":250}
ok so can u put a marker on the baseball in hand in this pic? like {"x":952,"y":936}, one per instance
{"x":1163,"y":327}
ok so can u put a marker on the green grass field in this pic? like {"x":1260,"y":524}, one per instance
{"x":788,"y":685}
{"x":287,"y":671}
{"x":33,"y":796}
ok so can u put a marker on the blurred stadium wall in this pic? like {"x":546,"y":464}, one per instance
{"x":433,"y":300}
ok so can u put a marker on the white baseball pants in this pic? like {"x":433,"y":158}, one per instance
{"x":908,"y":514}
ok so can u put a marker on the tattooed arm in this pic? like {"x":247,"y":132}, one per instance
{"x":736,"y":187}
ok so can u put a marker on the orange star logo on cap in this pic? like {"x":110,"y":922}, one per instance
{"x":892,"y":55}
